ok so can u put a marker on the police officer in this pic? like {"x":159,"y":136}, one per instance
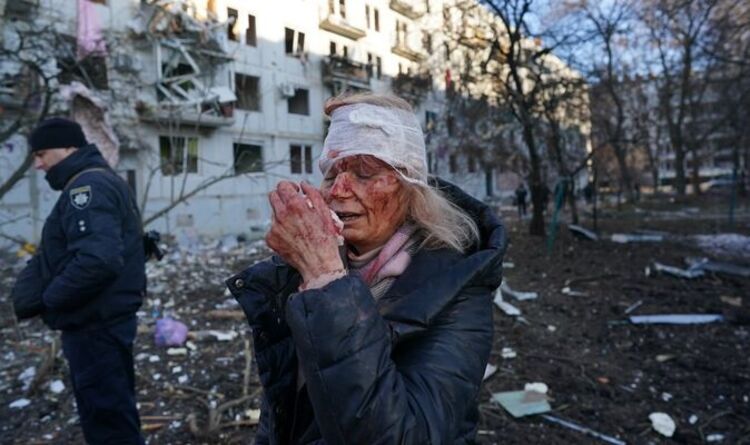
{"x":89,"y":278}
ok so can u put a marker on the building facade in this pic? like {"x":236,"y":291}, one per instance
{"x":204,"y":105}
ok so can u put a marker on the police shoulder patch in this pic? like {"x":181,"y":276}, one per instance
{"x":80,"y":197}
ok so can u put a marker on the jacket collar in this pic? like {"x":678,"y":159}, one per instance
{"x":85,"y":157}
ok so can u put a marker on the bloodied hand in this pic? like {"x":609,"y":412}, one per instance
{"x":303,"y":231}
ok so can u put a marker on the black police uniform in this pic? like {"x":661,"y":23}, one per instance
{"x":91,"y":275}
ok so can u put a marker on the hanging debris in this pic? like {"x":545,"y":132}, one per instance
{"x":191,"y":64}
{"x":93,"y":115}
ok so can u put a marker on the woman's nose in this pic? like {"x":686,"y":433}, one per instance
{"x":342,"y":186}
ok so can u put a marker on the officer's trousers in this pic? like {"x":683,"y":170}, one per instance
{"x":101,"y":367}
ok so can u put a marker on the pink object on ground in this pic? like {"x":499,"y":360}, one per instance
{"x":170,"y":332}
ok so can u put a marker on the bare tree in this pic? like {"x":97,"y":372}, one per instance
{"x":566,"y":143}
{"x":609,"y":21}
{"x":531,"y":73}
{"x":27,"y":91}
{"x":42,"y":60}
{"x":680,"y":32}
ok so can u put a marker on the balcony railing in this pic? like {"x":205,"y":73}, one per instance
{"x":342,"y":72}
{"x":403,"y":50}
{"x":406,"y":9}
{"x":338,"y":25}
{"x":215,"y":108}
{"x":412,"y":87}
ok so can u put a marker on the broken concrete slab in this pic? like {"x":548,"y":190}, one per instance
{"x":508,"y":308}
{"x":573,"y":293}
{"x":695,"y":263}
{"x":518,"y":295}
{"x":522,"y":403}
{"x":676,"y":319}
{"x":732,"y":244}
{"x":633,"y":306}
{"x":489,"y":371}
{"x":676,"y":271}
{"x":663,"y":424}
{"x":583,"y":233}
{"x":624,"y":238}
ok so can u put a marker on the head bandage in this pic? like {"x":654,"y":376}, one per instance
{"x":392,"y":135}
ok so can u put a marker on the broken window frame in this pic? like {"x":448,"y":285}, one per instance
{"x":90,"y":71}
{"x":247,"y":100}
{"x":251,"y":32}
{"x":296,"y":102}
{"x":308,"y":159}
{"x":294,"y":42}
{"x":300,"y":159}
{"x":240,"y":152}
{"x":232,"y":35}
{"x":178,"y":155}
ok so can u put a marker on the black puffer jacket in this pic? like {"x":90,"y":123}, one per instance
{"x":405,"y":369}
{"x":89,"y":271}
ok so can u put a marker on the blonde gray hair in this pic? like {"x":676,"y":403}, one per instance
{"x":444,"y":224}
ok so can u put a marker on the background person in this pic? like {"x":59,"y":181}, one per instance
{"x":388,"y":342}
{"x":521,"y":200}
{"x":88,"y":279}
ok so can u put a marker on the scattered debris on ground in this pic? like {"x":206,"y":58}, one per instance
{"x":606,"y":374}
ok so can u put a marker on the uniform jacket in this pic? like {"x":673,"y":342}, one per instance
{"x":89,"y":270}
{"x":405,"y":369}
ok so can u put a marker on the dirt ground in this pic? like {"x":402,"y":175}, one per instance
{"x":603,"y":372}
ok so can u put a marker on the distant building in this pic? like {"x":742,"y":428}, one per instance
{"x":199,"y":90}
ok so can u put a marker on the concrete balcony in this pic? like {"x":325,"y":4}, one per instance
{"x":338,"y":25}
{"x":187,"y":118}
{"x":339,"y":72}
{"x":215,"y":109}
{"x":474,"y":39}
{"x":406,"y":9}
{"x":401,"y":49}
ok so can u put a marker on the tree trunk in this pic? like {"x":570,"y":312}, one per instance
{"x":572,"y":202}
{"x":626,"y":182}
{"x":536,"y":226}
{"x":679,"y":169}
{"x":695,"y":170}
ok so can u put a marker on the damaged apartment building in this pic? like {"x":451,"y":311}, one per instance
{"x":204,"y":105}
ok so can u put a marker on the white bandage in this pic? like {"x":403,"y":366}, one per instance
{"x":392,"y":135}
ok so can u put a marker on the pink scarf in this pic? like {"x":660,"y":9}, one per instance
{"x":392,"y":259}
